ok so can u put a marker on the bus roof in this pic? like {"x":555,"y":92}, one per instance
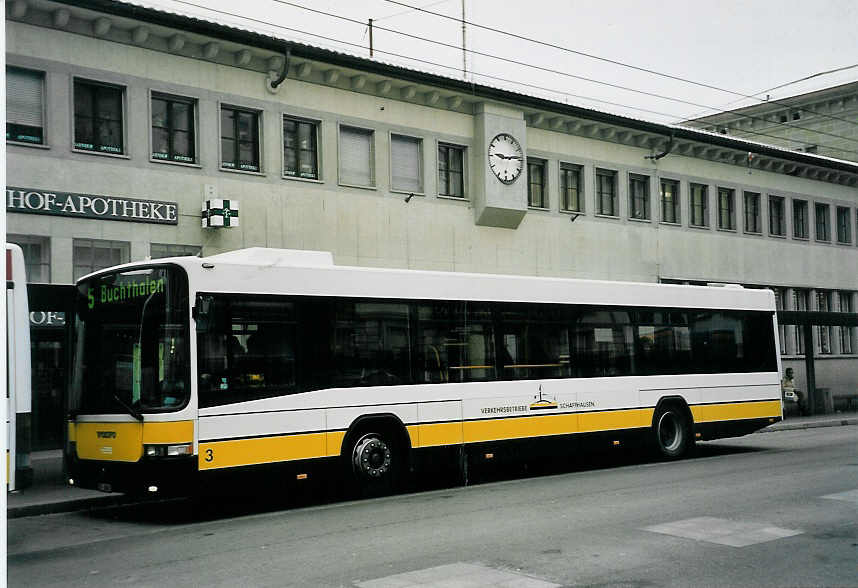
{"x":259,"y":270}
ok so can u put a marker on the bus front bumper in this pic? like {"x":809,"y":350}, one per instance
{"x":170,"y":476}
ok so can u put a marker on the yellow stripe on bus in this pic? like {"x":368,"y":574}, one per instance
{"x":615,"y":419}
{"x":238,"y":452}
{"x":732,"y":411}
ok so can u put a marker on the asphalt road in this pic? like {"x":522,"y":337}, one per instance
{"x":771,"y":509}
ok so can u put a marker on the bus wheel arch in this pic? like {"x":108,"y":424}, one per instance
{"x":672,"y":428}
{"x":376,"y":452}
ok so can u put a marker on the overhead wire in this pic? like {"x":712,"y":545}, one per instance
{"x":546,"y":69}
{"x":780,"y":86}
{"x":448,"y":67}
{"x":611,"y":61}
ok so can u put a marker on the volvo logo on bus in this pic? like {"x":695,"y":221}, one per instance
{"x":106,"y":434}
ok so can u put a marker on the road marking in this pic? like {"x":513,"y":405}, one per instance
{"x":457,"y":574}
{"x":723,"y":531}
{"x":848,"y":496}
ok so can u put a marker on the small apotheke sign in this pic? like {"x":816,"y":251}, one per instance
{"x":220,"y":213}
{"x":71,"y":204}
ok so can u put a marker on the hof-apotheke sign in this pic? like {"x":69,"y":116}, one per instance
{"x":69,"y":204}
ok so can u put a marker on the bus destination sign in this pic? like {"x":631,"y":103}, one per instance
{"x":70,"y":204}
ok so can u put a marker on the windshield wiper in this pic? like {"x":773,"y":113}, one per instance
{"x":128,"y":408}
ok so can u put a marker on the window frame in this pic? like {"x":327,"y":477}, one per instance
{"x":544,"y":201}
{"x":705,"y":213}
{"x":317,"y":131}
{"x":826,"y":222}
{"x":463,"y":149}
{"x":123,"y":89}
{"x":373,"y":178}
{"x":758,"y":229}
{"x":641,"y":180}
{"x":178,"y":246}
{"x":25,"y":242}
{"x":677,"y":201}
{"x":615,"y":203}
{"x":847,"y":215}
{"x":731,"y":209}
{"x":420,"y":163}
{"x":804,"y":234}
{"x":195,"y":104}
{"x":124,"y":248}
{"x":258,"y":113}
{"x":782,"y":205}
{"x":44,"y":75}
{"x":564,"y":192}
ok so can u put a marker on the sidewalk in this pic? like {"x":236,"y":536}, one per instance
{"x":50,"y":492}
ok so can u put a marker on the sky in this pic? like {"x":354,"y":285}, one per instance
{"x":744,"y":47}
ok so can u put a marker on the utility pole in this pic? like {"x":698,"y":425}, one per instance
{"x":370,"y":37}
{"x":464,"y":50}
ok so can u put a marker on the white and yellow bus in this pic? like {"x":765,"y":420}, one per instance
{"x":280,"y":359}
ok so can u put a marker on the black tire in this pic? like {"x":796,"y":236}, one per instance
{"x":373,"y":463}
{"x":672,"y":432}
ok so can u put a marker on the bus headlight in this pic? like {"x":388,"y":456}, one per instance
{"x":177,"y":450}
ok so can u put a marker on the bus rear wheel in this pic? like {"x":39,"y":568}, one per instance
{"x":672,"y":433}
{"x":373,"y":463}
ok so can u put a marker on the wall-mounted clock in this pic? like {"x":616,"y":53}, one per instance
{"x":506,"y":159}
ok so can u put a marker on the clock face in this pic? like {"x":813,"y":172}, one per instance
{"x":505,"y":158}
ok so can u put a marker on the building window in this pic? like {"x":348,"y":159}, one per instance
{"x":606,"y":192}
{"x":89,"y":255}
{"x":300,"y":151}
{"x":98,"y":117}
{"x":800,"y":304}
{"x":844,"y":225}
{"x":799,"y":219}
{"x":173,"y":128}
{"x":846,"y":333}
{"x":752,"y":213}
{"x":639,"y":197}
{"x":699,"y":205}
{"x":777,"y":224}
{"x":451,"y":170}
{"x":821,"y":214}
{"x":670,"y":201}
{"x":570,"y":187}
{"x":357,"y":156}
{"x":823,"y":333}
{"x":37,"y":256}
{"x":25,"y":106}
{"x":536,"y":183}
{"x":239,"y":139}
{"x":159,"y":250}
{"x":406,"y":164}
{"x":726,"y":209}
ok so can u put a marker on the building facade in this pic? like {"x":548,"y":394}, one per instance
{"x":134,"y":132}
{"x":822,"y":121}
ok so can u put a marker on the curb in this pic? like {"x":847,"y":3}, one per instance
{"x":782,"y":426}
{"x":76,"y":505}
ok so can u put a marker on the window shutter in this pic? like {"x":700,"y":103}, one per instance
{"x":356,"y":165}
{"x":405,"y":160}
{"x":24,"y":95}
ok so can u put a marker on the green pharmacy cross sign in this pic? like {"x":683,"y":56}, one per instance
{"x":220,"y":213}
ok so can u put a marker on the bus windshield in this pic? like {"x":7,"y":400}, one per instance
{"x":131,"y":343}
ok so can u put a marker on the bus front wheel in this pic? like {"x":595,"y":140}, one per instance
{"x":672,"y":433}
